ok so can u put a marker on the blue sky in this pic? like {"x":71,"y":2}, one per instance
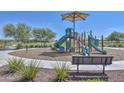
{"x":101,"y":23}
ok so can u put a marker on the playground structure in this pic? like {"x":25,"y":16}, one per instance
{"x":73,"y":41}
{"x":67,"y":38}
{"x":84,"y":43}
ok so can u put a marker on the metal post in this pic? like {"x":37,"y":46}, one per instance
{"x":102,"y":45}
{"x":66,"y":45}
{"x":74,"y":30}
{"x":74,"y":36}
{"x":77,"y":68}
{"x":84,"y":38}
{"x":89,"y":46}
{"x":103,"y":68}
{"x":78,"y":44}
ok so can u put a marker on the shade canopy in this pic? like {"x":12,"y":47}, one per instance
{"x":74,"y":16}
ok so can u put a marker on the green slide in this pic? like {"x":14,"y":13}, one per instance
{"x":60,"y":42}
{"x":92,"y":43}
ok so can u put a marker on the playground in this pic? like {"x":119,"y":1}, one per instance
{"x":72,"y":43}
{"x":74,"y":48}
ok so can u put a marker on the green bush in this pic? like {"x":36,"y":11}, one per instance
{"x":29,"y":72}
{"x":39,"y":46}
{"x":19,"y":46}
{"x":61,"y":70}
{"x":15,"y":64}
{"x":121,"y":45}
{"x":36,"y":46}
{"x":31,"y":46}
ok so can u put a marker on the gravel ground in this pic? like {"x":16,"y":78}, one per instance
{"x":48,"y":54}
{"x":44,"y":75}
{"x":47,"y":75}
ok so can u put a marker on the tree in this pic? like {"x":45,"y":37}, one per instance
{"x":38,"y":34}
{"x":10,"y":31}
{"x":20,"y":32}
{"x":24,"y":32}
{"x":43,"y":34}
{"x":115,"y":36}
{"x":50,"y":35}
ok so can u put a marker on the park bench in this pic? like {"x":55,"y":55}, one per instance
{"x":91,"y":60}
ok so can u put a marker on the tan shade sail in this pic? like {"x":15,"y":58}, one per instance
{"x":74,"y":16}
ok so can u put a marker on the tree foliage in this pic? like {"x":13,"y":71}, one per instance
{"x":20,"y":31}
{"x":43,"y":34}
{"x":115,"y":36}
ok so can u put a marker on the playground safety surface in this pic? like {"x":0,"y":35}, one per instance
{"x":48,"y":54}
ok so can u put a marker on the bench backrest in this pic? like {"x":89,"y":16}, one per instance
{"x":92,"y":60}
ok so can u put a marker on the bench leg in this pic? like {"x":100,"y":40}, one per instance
{"x":77,"y":68}
{"x":103,"y":69}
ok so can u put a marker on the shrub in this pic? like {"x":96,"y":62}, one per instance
{"x":109,"y":45}
{"x":61,"y":70}
{"x":119,"y":45}
{"x":31,"y":46}
{"x":39,"y":46}
{"x":50,"y":46}
{"x":15,"y":64}
{"x":29,"y":72}
{"x":36,"y":46}
{"x":114,"y":45}
{"x":19,"y":46}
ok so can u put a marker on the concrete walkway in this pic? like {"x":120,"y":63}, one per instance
{"x":51,"y":64}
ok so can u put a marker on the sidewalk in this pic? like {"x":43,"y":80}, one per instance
{"x":51,"y":64}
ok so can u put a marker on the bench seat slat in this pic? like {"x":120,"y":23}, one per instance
{"x":92,"y":60}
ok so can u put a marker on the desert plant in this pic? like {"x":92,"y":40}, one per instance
{"x":61,"y":70}
{"x":29,"y":72}
{"x":15,"y":64}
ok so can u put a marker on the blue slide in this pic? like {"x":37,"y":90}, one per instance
{"x":93,"y":44}
{"x":60,"y":42}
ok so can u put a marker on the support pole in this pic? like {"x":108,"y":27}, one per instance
{"x":84,"y":38}
{"x":66,"y":40}
{"x":79,"y":41}
{"x":103,"y":69}
{"x":77,"y":68}
{"x":74,"y":31}
{"x":102,"y":42}
{"x":89,"y":46}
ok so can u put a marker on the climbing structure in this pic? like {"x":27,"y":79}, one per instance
{"x":87,"y":41}
{"x":65,"y":39}
{"x":94,"y":43}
